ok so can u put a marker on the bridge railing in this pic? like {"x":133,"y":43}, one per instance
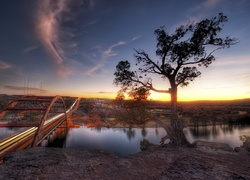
{"x":35,"y":135}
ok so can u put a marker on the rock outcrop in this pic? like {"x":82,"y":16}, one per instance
{"x":212,"y":146}
{"x":246,"y":145}
{"x":157,"y":162}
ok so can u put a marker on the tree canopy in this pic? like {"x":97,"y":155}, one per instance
{"x":180,"y":56}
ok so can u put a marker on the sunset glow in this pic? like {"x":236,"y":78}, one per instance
{"x":72,"y":47}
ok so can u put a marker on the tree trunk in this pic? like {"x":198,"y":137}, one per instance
{"x":173,"y":106}
{"x":175,"y":132}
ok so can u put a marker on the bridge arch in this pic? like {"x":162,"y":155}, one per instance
{"x":38,"y":128}
{"x":44,"y":118}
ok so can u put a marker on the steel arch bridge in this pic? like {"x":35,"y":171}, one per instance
{"x":48,"y":113}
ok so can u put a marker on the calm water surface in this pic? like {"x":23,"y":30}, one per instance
{"x":118,"y":141}
{"x":125,"y":141}
{"x":220,"y":133}
{"x":4,"y":132}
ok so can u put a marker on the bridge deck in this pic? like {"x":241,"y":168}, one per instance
{"x":32,"y":135}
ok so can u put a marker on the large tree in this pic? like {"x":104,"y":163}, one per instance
{"x":180,"y":54}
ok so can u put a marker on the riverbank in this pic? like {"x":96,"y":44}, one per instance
{"x":79,"y":119}
{"x":205,"y":161}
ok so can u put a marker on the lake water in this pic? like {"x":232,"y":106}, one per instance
{"x":125,"y":141}
{"x":219,"y":133}
{"x":118,"y":141}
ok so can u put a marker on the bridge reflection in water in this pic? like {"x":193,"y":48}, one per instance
{"x":58,"y":137}
{"x":40,"y":115}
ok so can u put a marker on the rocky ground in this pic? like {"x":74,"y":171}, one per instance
{"x":205,"y":161}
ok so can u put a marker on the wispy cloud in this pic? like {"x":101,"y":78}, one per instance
{"x":97,"y":92}
{"x":110,"y":52}
{"x":31,"y":89}
{"x":72,"y":45}
{"x":236,"y":60}
{"x":92,"y":70}
{"x":90,"y":23}
{"x":211,"y":3}
{"x":207,"y":5}
{"x":51,"y":14}
{"x":29,"y":49}
{"x":135,"y":38}
{"x":102,"y":55}
{"x":64,"y":71}
{"x":4,"y":65}
{"x":48,"y":21}
{"x":104,"y":92}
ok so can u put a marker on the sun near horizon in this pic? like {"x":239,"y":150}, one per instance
{"x":183,"y":96}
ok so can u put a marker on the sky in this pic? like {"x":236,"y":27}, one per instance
{"x":72,"y":47}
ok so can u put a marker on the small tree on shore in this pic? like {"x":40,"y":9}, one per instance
{"x":133,"y":111}
{"x":180,"y":54}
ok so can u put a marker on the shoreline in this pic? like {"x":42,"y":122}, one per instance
{"x":150,"y":124}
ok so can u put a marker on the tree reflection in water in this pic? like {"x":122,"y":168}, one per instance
{"x":156,"y":131}
{"x":130,"y":133}
{"x":143,"y":132}
{"x":218,"y":133}
{"x":124,"y":141}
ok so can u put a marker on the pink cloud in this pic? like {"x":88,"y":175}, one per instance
{"x":48,"y":21}
{"x":50,"y":15}
{"x":20,"y":88}
{"x":4,"y":65}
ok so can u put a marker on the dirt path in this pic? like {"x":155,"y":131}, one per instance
{"x":157,"y":162}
